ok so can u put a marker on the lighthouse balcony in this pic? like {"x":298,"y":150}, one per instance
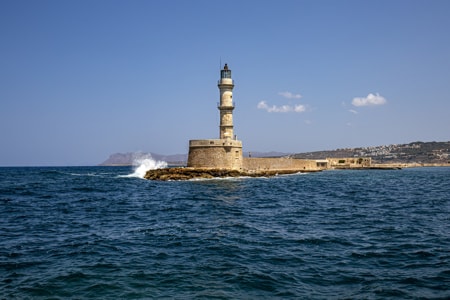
{"x":226,"y":106}
{"x":225,"y":81}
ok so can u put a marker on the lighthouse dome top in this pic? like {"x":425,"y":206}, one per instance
{"x":225,"y":72}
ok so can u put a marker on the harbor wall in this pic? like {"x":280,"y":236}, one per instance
{"x":251,"y":164}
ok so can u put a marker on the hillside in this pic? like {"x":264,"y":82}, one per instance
{"x":416,"y":152}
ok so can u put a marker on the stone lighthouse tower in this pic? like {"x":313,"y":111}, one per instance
{"x":226,"y":103}
{"x":225,"y":152}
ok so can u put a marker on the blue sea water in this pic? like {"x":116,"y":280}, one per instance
{"x":92,"y":232}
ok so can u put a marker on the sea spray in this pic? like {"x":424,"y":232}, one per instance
{"x":143,"y":163}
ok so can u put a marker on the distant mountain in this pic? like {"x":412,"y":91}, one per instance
{"x":416,"y":152}
{"x":130,"y":158}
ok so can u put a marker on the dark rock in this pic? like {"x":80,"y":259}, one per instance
{"x":196,"y":173}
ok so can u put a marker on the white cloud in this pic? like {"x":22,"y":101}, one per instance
{"x":370,"y":100}
{"x":262,"y":105}
{"x":281,"y":109}
{"x":353,"y":111}
{"x":299,"y":108}
{"x":289,"y":95}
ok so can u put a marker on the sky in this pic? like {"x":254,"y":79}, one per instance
{"x":80,"y":80}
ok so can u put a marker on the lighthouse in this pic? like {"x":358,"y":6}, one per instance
{"x":226,"y":105}
{"x":226,"y":151}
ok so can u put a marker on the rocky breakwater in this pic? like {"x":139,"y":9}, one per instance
{"x":197,"y":173}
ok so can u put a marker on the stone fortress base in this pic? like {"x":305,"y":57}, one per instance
{"x":215,"y":154}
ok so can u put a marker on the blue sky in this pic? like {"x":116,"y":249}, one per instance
{"x":80,"y":80}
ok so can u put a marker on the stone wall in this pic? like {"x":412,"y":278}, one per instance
{"x":279,"y":163}
{"x":215,"y":154}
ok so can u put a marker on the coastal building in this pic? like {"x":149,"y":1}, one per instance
{"x":349,"y":162}
{"x":225,"y":152}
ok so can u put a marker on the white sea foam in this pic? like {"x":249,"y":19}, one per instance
{"x":141,"y":164}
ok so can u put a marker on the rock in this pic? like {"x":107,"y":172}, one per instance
{"x":196,"y":173}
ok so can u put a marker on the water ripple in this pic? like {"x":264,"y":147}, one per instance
{"x":94,"y":233}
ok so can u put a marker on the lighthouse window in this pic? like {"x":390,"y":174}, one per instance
{"x":225,"y":74}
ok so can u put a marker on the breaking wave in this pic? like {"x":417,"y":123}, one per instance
{"x":144,"y":163}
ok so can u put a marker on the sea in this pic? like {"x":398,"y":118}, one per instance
{"x":106,"y":233}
